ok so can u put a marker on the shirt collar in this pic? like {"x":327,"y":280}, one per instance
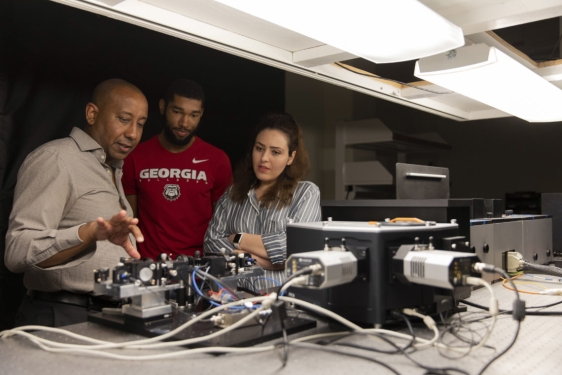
{"x":88,"y":144}
{"x":253,"y":199}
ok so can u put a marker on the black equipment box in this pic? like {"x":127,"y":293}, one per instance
{"x":438,"y":210}
{"x":374,"y":293}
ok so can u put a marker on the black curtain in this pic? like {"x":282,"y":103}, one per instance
{"x":52,"y":56}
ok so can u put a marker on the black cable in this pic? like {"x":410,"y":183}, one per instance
{"x":410,"y":329}
{"x":362,"y":347}
{"x":397,"y":348}
{"x":335,"y":342}
{"x":337,"y":351}
{"x":545,"y":306}
{"x":245,"y":285}
{"x":433,"y":370}
{"x":482,"y":307}
{"x":393,"y":80}
{"x":503,"y":351}
{"x":545,"y":313}
{"x":518,"y":312}
{"x":535,"y":313}
{"x":285,"y":344}
{"x":264,"y":323}
{"x":454,"y":329}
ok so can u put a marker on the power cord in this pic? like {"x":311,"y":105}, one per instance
{"x":433,"y":370}
{"x":518,"y":311}
{"x":341,"y":352}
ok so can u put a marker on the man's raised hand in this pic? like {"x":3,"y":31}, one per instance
{"x":117,"y":229}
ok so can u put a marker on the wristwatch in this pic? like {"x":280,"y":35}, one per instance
{"x":237,"y":239}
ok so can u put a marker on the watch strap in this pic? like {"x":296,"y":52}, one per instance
{"x":237,"y":240}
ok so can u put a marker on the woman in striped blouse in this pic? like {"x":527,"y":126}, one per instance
{"x":267,"y":193}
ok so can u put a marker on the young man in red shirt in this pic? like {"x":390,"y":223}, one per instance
{"x":174,"y":179}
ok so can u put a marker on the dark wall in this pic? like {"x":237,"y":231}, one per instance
{"x":489,"y":158}
{"x":52,"y":56}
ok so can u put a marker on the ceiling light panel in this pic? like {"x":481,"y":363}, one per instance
{"x":490,"y":76}
{"x":379,"y":31}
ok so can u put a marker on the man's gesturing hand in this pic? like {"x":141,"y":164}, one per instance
{"x":116,"y":230}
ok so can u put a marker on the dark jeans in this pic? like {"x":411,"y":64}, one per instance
{"x":51,"y":314}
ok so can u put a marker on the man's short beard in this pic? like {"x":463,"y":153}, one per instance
{"x":171,"y":137}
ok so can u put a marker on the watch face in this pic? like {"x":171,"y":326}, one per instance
{"x":237,"y":238}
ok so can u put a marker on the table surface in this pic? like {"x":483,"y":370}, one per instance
{"x":535,"y":351}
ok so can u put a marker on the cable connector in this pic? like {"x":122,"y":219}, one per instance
{"x":483,"y":267}
{"x":552,"y":292}
{"x":410,"y":312}
{"x":514,"y":261}
{"x":471,"y":280}
{"x":315,"y":267}
{"x":329,"y":268}
{"x":300,"y":280}
{"x":518,"y":310}
{"x":279,"y":310}
{"x":494,"y":308}
{"x":428,"y":320}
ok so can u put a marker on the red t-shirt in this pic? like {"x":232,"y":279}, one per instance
{"x":175,"y":193}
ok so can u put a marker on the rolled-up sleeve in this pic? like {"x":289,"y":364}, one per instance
{"x":216,"y":237}
{"x":276,"y":246}
{"x":305,"y":208}
{"x":42,"y":196}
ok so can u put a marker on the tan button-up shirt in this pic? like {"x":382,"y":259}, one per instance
{"x":62,"y":185}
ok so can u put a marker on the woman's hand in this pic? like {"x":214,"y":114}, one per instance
{"x":265,"y":263}
{"x":253,"y":244}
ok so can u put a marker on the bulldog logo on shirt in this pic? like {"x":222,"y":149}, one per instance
{"x":171,"y":192}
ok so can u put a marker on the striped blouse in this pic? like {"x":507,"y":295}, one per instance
{"x":249,"y":217}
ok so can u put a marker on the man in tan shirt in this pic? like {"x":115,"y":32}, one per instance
{"x":70,"y":215}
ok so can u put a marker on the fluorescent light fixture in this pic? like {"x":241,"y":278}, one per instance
{"x":488,"y":75}
{"x":382,"y":31}
{"x":111,"y":2}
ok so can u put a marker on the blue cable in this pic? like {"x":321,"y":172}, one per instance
{"x":197,"y":288}
{"x":211,"y":302}
{"x":559,"y":280}
{"x":219,"y":285}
